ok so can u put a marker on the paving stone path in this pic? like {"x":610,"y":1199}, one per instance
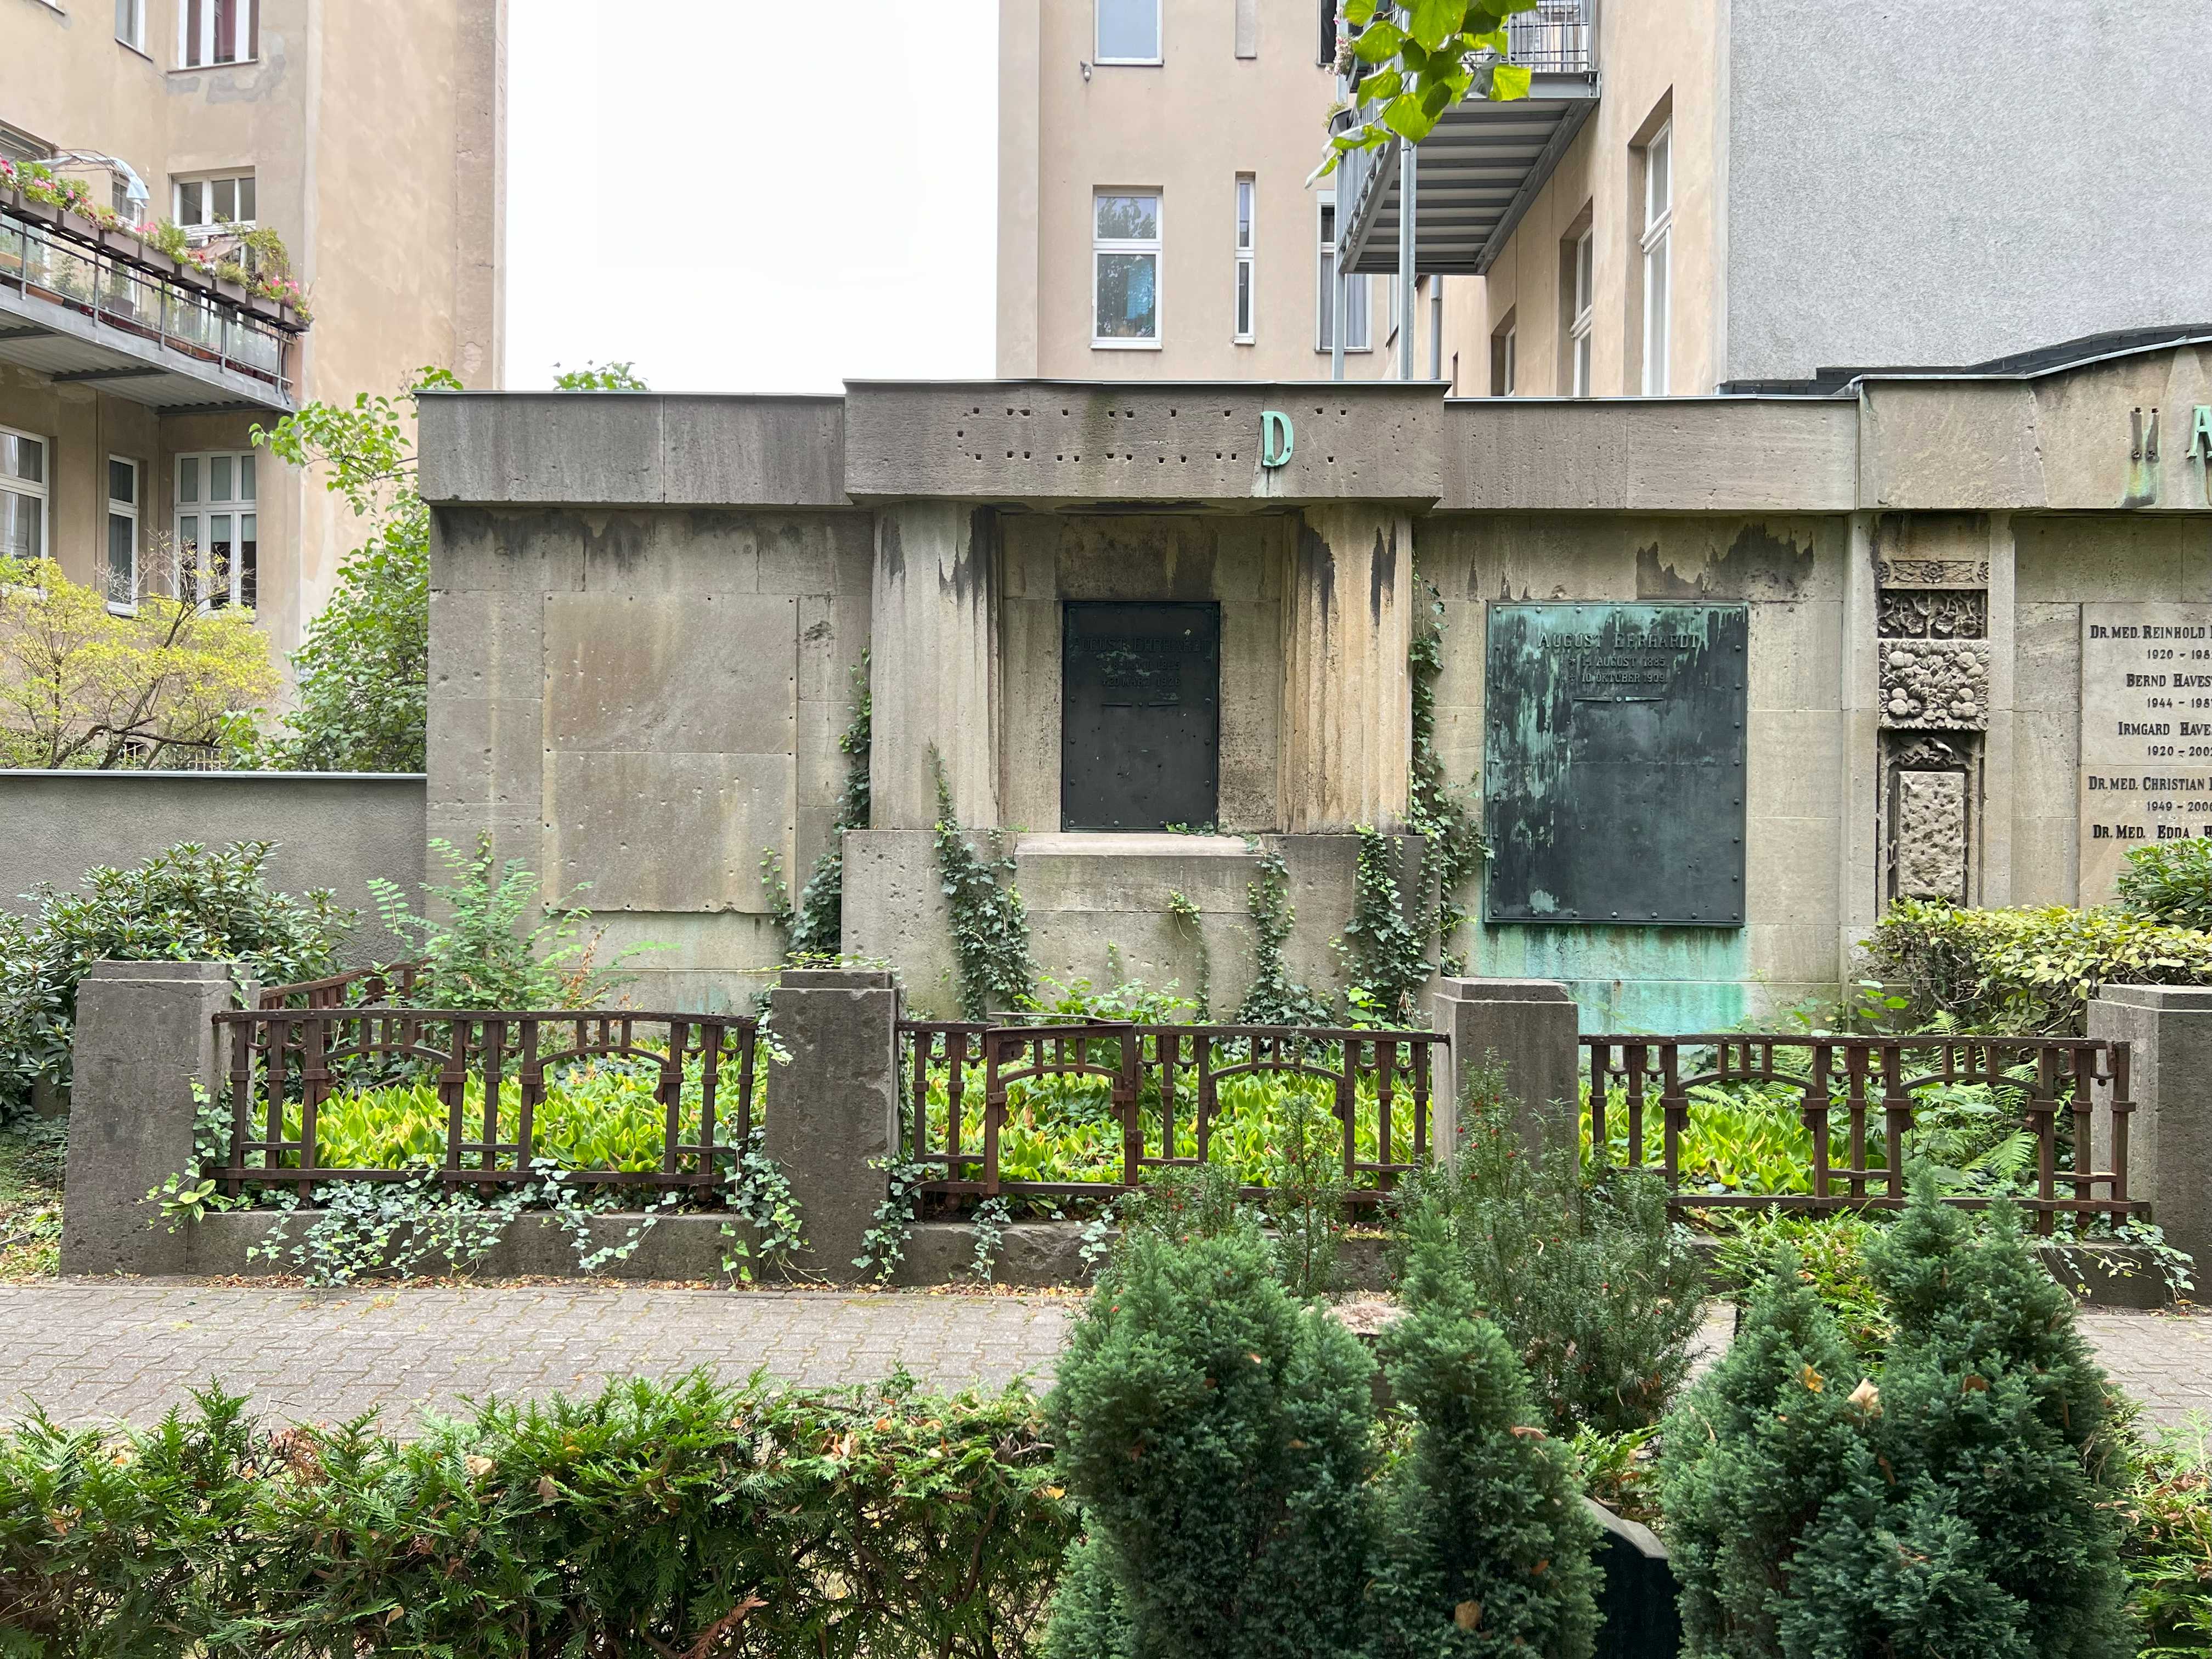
{"x":89,"y":1351}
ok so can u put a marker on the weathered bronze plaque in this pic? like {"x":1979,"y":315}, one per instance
{"x":1614,"y":763}
{"x":1140,"y":716}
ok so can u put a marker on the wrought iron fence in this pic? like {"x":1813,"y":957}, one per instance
{"x":2070,"y":1094}
{"x":39,"y":261}
{"x":355,"y":985}
{"x":1163,"y":1087}
{"x":288,"y":1068}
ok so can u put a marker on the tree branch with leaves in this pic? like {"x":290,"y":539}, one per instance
{"x":1410,"y":63}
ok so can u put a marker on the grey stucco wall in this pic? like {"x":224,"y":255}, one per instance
{"x":1955,"y":182}
{"x":331,"y":830}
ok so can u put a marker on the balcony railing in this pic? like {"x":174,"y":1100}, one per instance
{"x":1553,"y":39}
{"x":53,"y":264}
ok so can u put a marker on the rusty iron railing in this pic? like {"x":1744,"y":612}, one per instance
{"x":293,"y":1061}
{"x":1161,"y":1079}
{"x":355,"y":985}
{"x":2071,"y":1095}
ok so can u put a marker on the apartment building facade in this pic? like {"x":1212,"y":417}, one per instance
{"x":1737,"y":196}
{"x":1155,"y":222}
{"x":370,"y":139}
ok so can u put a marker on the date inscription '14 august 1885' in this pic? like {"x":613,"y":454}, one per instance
{"x":1614,"y":763}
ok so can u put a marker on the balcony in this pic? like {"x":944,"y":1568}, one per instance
{"x":80,"y":303}
{"x":1478,"y":172}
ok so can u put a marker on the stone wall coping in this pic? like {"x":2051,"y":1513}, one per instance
{"x":1503,"y":990}
{"x":2174,"y":998}
{"x":1144,"y":844}
{"x":835,"y":979}
{"x":196,"y":972}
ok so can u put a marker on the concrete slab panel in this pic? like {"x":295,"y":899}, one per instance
{"x":833,"y":633}
{"x":487,"y":644}
{"x":1790,"y":868}
{"x":616,"y":818}
{"x":825,"y":553}
{"x":1701,"y":559}
{"x":2108,"y":557}
{"x":1793,"y":765}
{"x":1796,"y":656}
{"x":696,"y":551}
{"x":478,"y":548}
{"x":512,"y":447}
{"x":484,"y":750}
{"x":699,"y":674}
{"x":774,"y":451}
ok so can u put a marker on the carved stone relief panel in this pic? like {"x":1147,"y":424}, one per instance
{"x":1933,"y":789}
{"x":1908,"y":613}
{"x":1893,"y":571}
{"x":1936,"y":685}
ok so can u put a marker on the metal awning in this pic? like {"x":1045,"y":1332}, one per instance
{"x":1478,"y":172}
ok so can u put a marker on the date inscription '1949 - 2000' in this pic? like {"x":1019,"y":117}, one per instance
{"x":1614,"y":763}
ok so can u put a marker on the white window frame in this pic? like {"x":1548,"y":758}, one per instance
{"x":1361,"y":306}
{"x":245,"y":40}
{"x":1244,"y":293}
{"x":1154,"y":245}
{"x":131,"y":15}
{"x":1159,"y":36}
{"x":1657,"y":245}
{"x":206,"y":182}
{"x":239,"y":507}
{"x":1512,"y":354}
{"x":42,"y":492}
{"x":1585,"y":296}
{"x":134,"y":510}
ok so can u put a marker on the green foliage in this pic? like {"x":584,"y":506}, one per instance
{"x":1444,"y":817}
{"x":1416,"y":65}
{"x":2170,"y":882}
{"x":817,"y":923}
{"x":1955,"y":1502}
{"x":599,"y":377}
{"x":1385,"y":955}
{"x":1482,"y":1545}
{"x":1597,"y":1291}
{"x":990,"y":924}
{"x":486,"y":951}
{"x":1830,"y":1257}
{"x":2166,"y":1502}
{"x":2028,"y":970}
{"x":187,"y":904}
{"x":669,"y":1518}
{"x":882,"y":1243}
{"x":1216,"y":1431}
{"x":364,"y":668}
{"x":33,"y":1157}
{"x":1192,"y":924}
{"x":1274,"y":997}
{"x":1306,"y":1189}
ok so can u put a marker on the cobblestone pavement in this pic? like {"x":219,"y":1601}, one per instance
{"x":88,"y":1351}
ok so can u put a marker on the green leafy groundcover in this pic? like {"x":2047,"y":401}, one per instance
{"x":673,"y":1518}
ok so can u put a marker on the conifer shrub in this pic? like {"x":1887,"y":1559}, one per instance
{"x":1482,"y":1544}
{"x":1953,"y":1504}
{"x":1596,"y":1290}
{"x":1216,"y":1432}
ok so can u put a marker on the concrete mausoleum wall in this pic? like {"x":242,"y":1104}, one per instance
{"x":646,"y":610}
{"x":334,"y":830}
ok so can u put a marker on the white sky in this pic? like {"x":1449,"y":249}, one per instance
{"x":731,"y":219}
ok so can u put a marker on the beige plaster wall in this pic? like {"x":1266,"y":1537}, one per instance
{"x":1238,"y":562}
{"x":1186,"y":127}
{"x":1790,"y":571}
{"x":1649,"y":56}
{"x":648,"y":702}
{"x":375,"y":136}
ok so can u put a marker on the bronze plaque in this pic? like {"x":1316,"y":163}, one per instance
{"x":1614,"y":774}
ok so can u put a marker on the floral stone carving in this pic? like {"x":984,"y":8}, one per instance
{"x":1938,"y":684}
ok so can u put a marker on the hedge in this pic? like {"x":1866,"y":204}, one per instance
{"x":656,"y":1519}
{"x":2029,"y":970}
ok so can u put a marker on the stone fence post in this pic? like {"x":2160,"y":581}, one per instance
{"x":2168,"y":1030}
{"x":145,"y":1034}
{"x":835,"y":1103}
{"x":1527,"y":1028}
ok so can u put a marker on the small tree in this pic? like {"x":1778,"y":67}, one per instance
{"x":1216,"y":1430}
{"x":599,"y":377}
{"x":1482,"y":1545}
{"x":91,"y":679}
{"x":1596,"y":1290}
{"x":1415,"y":66}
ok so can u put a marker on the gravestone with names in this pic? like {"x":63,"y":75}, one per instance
{"x":2146,"y":733}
